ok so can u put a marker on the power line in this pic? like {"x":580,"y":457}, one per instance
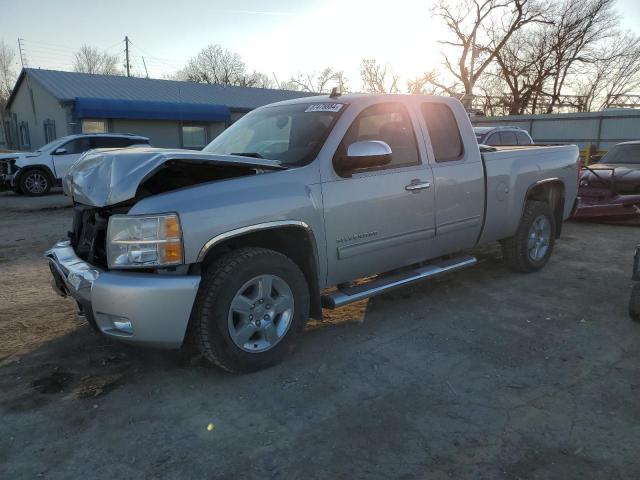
{"x":158,"y":59}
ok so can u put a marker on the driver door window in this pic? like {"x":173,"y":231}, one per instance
{"x":493,"y":140}
{"x":390,"y":123}
{"x":79,"y":145}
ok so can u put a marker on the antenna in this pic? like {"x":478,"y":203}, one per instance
{"x":334,"y":93}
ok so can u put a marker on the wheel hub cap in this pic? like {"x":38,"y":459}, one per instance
{"x":35,"y":183}
{"x":539,"y":238}
{"x":260,"y":313}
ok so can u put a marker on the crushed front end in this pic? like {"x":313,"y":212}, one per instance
{"x":8,"y":173}
{"x":145,"y":306}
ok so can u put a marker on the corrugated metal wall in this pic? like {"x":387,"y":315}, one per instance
{"x":600,"y":129}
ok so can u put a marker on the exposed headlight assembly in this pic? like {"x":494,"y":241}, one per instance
{"x":139,"y":241}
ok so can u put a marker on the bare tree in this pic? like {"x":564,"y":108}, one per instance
{"x":480,"y":28}
{"x":429,"y":84}
{"x":91,"y":60}
{"x":490,"y":94}
{"x":317,"y":82}
{"x":215,"y":65}
{"x":614,"y":71}
{"x":525,"y":64}
{"x":7,"y":73}
{"x":256,"y":79}
{"x":580,"y":25}
{"x":218,"y":66}
{"x":377,"y":78}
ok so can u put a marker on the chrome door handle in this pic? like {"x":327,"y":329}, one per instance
{"x":417,"y":185}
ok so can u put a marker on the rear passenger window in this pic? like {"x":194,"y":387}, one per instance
{"x":110,"y":142}
{"x":390,"y":123}
{"x":508,"y":138}
{"x":523,"y":138}
{"x":443,"y":131}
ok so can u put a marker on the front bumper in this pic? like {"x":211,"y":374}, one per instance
{"x":141,"y":308}
{"x":8,"y":180}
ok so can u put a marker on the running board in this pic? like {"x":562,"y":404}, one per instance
{"x":356,"y":293}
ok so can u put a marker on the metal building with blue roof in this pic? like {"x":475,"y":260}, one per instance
{"x":47,"y":104}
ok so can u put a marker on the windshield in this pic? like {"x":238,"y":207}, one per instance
{"x":629,"y":153}
{"x":292,"y":134}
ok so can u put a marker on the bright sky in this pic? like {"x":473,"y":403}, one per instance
{"x":281,"y":37}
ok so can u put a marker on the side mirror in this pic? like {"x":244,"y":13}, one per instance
{"x":595,"y":158}
{"x":365,"y":154}
{"x":60,"y":151}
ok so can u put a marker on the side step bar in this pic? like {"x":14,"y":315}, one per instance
{"x":356,"y":293}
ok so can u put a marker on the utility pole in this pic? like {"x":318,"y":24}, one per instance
{"x":126,"y":51}
{"x":23,"y":59}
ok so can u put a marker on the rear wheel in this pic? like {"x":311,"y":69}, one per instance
{"x":35,"y":182}
{"x":251,"y":307}
{"x":530,"y":248}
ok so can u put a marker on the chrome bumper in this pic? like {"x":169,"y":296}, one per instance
{"x":142,"y":308}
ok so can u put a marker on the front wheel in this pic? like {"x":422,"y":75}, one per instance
{"x":252,"y":305}
{"x":530,"y":248}
{"x":35,"y":182}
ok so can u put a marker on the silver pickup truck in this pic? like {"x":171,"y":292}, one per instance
{"x":304,"y":204}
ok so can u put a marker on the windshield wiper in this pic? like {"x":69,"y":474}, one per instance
{"x":247,"y":154}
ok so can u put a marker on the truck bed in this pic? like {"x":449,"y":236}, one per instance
{"x":512,"y":170}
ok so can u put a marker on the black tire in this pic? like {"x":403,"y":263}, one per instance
{"x":220,"y":283}
{"x":515,"y":249}
{"x":35,"y":182}
{"x":634,"y":302}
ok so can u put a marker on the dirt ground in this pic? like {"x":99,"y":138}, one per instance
{"x":482,"y":374}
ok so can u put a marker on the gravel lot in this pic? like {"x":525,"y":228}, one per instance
{"x":482,"y":374}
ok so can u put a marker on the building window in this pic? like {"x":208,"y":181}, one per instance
{"x":94,"y":126}
{"x":25,"y":140}
{"x":194,"y":136}
{"x":49,"y":130}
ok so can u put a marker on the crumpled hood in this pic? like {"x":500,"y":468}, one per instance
{"x":111,"y":176}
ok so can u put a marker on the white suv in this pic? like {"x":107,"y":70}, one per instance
{"x":34,"y":173}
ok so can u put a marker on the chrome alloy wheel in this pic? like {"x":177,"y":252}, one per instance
{"x":260,"y":313}
{"x":35,"y":183}
{"x":539,"y":238}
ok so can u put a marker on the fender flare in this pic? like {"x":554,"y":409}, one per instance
{"x":313,"y":270}
{"x":256,"y":228}
{"x":43,"y":167}
{"x":561,"y":200}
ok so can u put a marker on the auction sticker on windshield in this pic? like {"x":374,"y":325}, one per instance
{"x":324,"y":107}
